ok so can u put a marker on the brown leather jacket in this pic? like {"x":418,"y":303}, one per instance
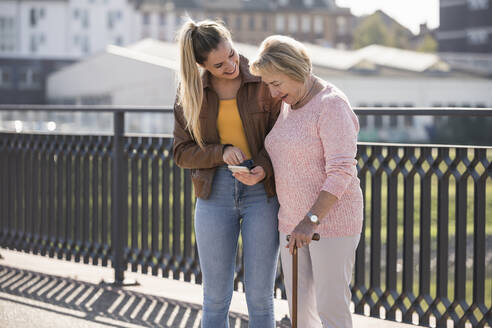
{"x":258,"y":112}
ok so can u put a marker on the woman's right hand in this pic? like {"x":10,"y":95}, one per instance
{"x":233,"y":155}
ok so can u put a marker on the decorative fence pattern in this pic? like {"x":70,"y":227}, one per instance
{"x":425,"y":254}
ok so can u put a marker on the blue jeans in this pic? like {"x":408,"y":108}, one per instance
{"x":232,"y":208}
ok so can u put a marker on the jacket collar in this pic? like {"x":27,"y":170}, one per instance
{"x":246,"y":76}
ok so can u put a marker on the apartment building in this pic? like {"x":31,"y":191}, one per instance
{"x":465,"y":26}
{"x":314,"y":21}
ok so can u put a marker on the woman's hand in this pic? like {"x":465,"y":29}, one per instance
{"x":233,"y":155}
{"x":302,"y":235}
{"x":256,"y":175}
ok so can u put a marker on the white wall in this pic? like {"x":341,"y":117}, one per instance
{"x":60,"y":31}
{"x":421,"y":92}
{"x":416,"y":92}
{"x":126,"y":81}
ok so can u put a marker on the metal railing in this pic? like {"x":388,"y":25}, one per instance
{"x":425,"y":254}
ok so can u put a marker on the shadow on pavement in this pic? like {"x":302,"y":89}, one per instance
{"x":103,"y":304}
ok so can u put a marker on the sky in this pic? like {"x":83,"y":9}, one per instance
{"x":409,"y":13}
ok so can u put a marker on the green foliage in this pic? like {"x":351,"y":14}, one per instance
{"x":371,"y":31}
{"x":381,"y":29}
{"x":428,"y":44}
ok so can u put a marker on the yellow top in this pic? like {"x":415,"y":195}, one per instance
{"x":230,"y":126}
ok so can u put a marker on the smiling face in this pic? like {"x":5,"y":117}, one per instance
{"x":284,"y":87}
{"x":223,"y":62}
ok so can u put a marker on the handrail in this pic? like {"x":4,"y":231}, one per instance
{"x":414,"y":111}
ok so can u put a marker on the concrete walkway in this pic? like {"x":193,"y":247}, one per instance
{"x":37,"y":291}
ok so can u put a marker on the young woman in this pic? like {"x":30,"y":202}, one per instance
{"x":313,"y":147}
{"x":222,"y":116}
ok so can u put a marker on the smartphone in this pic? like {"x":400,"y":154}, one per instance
{"x":237,"y":168}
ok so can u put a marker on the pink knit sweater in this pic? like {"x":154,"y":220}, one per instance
{"x":313,"y":148}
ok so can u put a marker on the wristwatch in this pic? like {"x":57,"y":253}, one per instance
{"x":313,"y":218}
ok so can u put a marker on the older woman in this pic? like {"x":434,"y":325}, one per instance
{"x":312,"y":147}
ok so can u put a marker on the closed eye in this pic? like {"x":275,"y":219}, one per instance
{"x":230,"y":56}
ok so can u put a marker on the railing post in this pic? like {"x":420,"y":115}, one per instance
{"x":118,"y":219}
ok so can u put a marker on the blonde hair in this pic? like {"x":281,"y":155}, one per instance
{"x":279,"y":53}
{"x":195,"y":42}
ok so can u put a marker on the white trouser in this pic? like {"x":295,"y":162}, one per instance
{"x":324,"y":275}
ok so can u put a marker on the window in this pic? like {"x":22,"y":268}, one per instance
{"x":478,"y":4}
{"x":306,"y":23}
{"x":238,"y":22}
{"x":85,"y":19}
{"x":378,"y":121}
{"x":252,"y":22}
{"x":393,"y":121}
{"x":477,"y":37}
{"x":162,"y":19}
{"x":318,"y":24}
{"x":85,"y":45}
{"x":110,"y":20}
{"x":293,"y":23}
{"x":5,"y":77}
{"x":32,"y":17}
{"x":76,"y":14}
{"x":146,"y":18}
{"x":308,"y":3}
{"x":363,"y":121}
{"x":342,"y":25}
{"x":33,"y":44}
{"x":280,"y":23}
{"x":29,"y":78}
{"x":264,"y":22}
{"x":7,"y":34}
{"x":408,"y":119}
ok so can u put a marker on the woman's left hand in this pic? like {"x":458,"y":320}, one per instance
{"x":254,"y":176}
{"x":301,"y":235}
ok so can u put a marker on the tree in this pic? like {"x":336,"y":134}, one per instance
{"x":379,"y":28}
{"x":371,"y":31}
{"x":428,"y":44}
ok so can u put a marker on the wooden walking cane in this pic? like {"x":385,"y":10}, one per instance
{"x":294,"y":282}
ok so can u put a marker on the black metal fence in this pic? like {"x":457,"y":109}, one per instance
{"x":425,"y":254}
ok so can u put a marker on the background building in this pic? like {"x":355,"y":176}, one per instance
{"x":315,"y":21}
{"x":23,"y":79}
{"x":65,"y":28}
{"x":375,"y":76}
{"x":465,"y":26}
